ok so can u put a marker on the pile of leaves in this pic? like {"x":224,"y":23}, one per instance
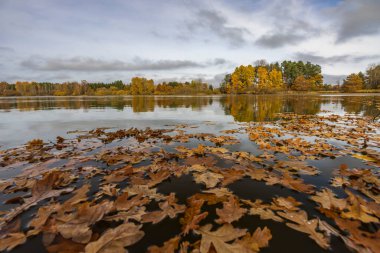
{"x":103,"y":190}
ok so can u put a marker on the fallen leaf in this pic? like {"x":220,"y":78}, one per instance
{"x":115,"y":239}
{"x":231,"y":211}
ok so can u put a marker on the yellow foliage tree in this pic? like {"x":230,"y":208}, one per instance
{"x":276,"y":80}
{"x":242,"y":79}
{"x":142,"y":86}
{"x":263,"y":81}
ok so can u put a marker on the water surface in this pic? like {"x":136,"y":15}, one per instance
{"x":25,"y":118}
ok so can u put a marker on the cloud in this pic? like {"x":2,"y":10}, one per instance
{"x":214,"y":22}
{"x":334,"y":59}
{"x":98,"y":65}
{"x":6,"y":49}
{"x":276,"y":40}
{"x":356,"y":18}
{"x":283,"y":25}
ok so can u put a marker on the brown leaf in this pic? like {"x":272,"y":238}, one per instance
{"x":210,"y":179}
{"x":326,"y":198}
{"x":115,"y":239}
{"x":358,"y":209}
{"x":168,"y":208}
{"x":123,"y":202}
{"x":192,"y":215}
{"x":263,"y":210}
{"x":231,"y":211}
{"x":305,"y":226}
{"x":219,"y":238}
{"x":65,"y":246}
{"x":76,"y":225}
{"x":42,"y":189}
{"x":288,"y":203}
{"x":118,"y":175}
{"x":79,"y":195}
{"x":158,"y":177}
{"x":169,"y":246}
{"x":231,"y":175}
{"x":11,"y":241}
{"x":252,"y":243}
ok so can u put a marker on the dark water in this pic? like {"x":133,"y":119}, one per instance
{"x":25,"y":118}
{"x":22,"y":119}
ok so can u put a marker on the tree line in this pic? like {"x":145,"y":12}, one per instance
{"x":261,"y":77}
{"x":137,"y":86}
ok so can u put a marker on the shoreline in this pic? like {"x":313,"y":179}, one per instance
{"x":376,"y":92}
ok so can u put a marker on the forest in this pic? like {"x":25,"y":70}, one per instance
{"x":251,"y":79}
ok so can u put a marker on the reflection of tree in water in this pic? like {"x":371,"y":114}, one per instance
{"x":252,"y":108}
{"x":49,"y":103}
{"x":265,"y":107}
{"x":188,"y":102}
{"x":368,"y":105}
{"x":302,"y":104}
{"x":241,"y":107}
{"x":143,"y":104}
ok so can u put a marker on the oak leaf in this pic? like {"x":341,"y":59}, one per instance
{"x":115,"y":239}
{"x":231,"y":211}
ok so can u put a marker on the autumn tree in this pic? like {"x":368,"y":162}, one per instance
{"x":353,"y":82}
{"x":263,"y":81}
{"x":242,"y":80}
{"x":275,"y":78}
{"x":142,"y":86}
{"x":373,"y":77}
{"x":302,"y":84}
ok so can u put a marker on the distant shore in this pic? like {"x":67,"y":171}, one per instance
{"x":368,"y":92}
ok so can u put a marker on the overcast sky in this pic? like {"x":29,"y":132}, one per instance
{"x":104,"y":40}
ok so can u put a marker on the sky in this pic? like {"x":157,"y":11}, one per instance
{"x":99,"y":40}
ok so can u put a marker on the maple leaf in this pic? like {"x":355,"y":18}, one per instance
{"x":231,"y":211}
{"x":151,"y":193}
{"x":231,"y":175}
{"x":118,"y":175}
{"x":296,"y":184}
{"x":219,"y":238}
{"x":252,"y":243}
{"x":257,"y":174}
{"x":358,"y":209}
{"x":79,"y":195}
{"x":305,"y":226}
{"x":357,"y":236}
{"x":193,"y":215}
{"x":158,"y":177}
{"x":326,"y":198}
{"x":168,"y":208}
{"x":135,"y":213}
{"x":42,"y":216}
{"x":263,"y":210}
{"x":41,"y":190}
{"x":12,"y":240}
{"x":169,"y":246}
{"x":123,"y":202}
{"x":65,"y":246}
{"x":76,"y":225}
{"x":298,"y":166}
{"x":288,"y":203}
{"x":115,"y":239}
{"x":210,"y":198}
{"x":210,"y":179}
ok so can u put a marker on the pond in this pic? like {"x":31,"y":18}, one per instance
{"x":247,"y":173}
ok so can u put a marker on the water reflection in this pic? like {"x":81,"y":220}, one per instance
{"x":25,"y":118}
{"x":242,"y":108}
